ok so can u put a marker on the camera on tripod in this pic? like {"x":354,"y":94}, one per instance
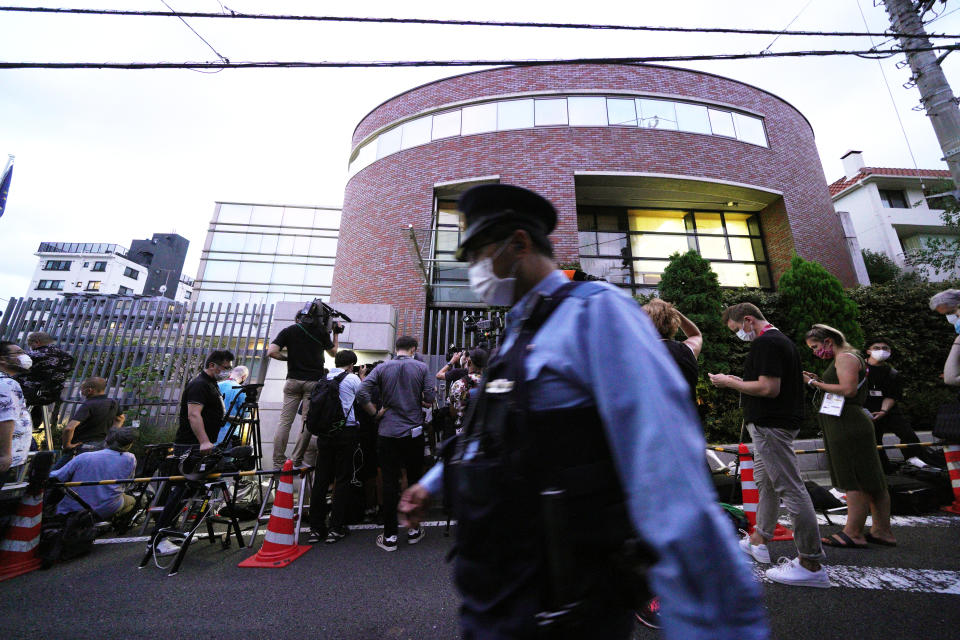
{"x":251,"y":392}
{"x":319,"y":316}
{"x":487,"y":331}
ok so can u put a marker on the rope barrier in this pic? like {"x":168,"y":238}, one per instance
{"x":938,"y":443}
{"x":213,"y":476}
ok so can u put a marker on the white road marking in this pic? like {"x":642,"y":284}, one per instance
{"x":886,"y":578}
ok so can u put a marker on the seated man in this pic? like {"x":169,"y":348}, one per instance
{"x":113,"y":463}
{"x":233,"y":398}
{"x":90,"y":423}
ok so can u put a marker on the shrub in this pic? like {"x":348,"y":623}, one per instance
{"x":880,"y":267}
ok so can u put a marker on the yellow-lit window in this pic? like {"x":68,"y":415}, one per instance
{"x":659,"y":246}
{"x":742,"y":249}
{"x":737,"y":223}
{"x":709,"y":223}
{"x":713,"y":248}
{"x":648,"y":271}
{"x":660,"y":221}
{"x":732,"y":274}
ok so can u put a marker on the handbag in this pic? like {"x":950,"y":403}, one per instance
{"x":947,"y":423}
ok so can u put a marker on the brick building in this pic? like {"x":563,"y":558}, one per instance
{"x":640,"y":161}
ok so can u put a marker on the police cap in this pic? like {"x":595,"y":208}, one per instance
{"x":485,"y":207}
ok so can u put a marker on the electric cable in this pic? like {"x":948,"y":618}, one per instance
{"x":868,"y":53}
{"x":204,"y":40}
{"x":772,"y":42}
{"x":450,"y":22}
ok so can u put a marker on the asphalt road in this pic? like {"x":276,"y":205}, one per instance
{"x":355,"y":591}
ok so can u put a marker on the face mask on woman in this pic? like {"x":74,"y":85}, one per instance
{"x":824,"y":352}
{"x":879,"y":355}
{"x":954,"y":319}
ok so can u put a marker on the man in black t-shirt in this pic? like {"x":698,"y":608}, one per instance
{"x":883,"y":402}
{"x":201,"y":416}
{"x":772,"y":396}
{"x":304,"y":357}
{"x":92,"y":419}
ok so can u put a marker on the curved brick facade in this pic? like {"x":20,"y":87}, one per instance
{"x":375,"y":262}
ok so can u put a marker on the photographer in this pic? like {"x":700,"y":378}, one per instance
{"x":90,"y":422}
{"x":201,"y":416}
{"x":462,"y":390}
{"x":305,"y":341}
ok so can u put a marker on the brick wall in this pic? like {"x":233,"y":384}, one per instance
{"x":375,"y":260}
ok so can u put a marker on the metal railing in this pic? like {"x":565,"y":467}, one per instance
{"x":146,"y":349}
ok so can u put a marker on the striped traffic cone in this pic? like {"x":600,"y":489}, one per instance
{"x":18,"y":550}
{"x":751,"y":495}
{"x":952,"y":453}
{"x":280,"y":543}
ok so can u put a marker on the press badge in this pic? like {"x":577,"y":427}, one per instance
{"x":876,"y":392}
{"x":832,"y":404}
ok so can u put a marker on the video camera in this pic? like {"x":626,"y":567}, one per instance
{"x":251,"y":392}
{"x":319,"y":316}
{"x":196,"y":465}
{"x":486,"y":331}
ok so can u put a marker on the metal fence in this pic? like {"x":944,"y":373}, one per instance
{"x":145,"y":348}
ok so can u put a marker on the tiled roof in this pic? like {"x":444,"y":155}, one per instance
{"x":843,"y":183}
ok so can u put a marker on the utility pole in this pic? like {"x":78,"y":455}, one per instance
{"x":935,"y":93}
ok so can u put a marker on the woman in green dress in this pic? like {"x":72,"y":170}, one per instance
{"x":849,"y":438}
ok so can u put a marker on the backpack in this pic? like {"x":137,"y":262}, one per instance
{"x":325,"y":415}
{"x":66,"y":536}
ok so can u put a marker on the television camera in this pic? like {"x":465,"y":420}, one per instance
{"x":317,"y":315}
{"x":486,"y":331}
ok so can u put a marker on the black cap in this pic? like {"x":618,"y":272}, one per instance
{"x":486,"y":206}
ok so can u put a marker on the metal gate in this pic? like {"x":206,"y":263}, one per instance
{"x":145,"y":348}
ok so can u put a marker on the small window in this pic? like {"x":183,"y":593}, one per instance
{"x":722,"y":123}
{"x":621,"y":112}
{"x":389,"y":142}
{"x":657,"y":114}
{"x":125,"y":291}
{"x":50,"y":285}
{"x":86,"y":264}
{"x":550,"y":112}
{"x":514,"y":114}
{"x":480,"y":118}
{"x":131,"y":273}
{"x":446,"y":125}
{"x":416,"y":132}
{"x":57,"y":265}
{"x":99,"y":266}
{"x":93,"y":285}
{"x":893,"y":199}
{"x":587,"y":112}
{"x":693,"y":118}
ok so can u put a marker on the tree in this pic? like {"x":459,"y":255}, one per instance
{"x":809,"y":294}
{"x":880,"y":267}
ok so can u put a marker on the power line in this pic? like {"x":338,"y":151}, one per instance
{"x":463,"y":23}
{"x":218,"y":54}
{"x":789,"y":24}
{"x":869,"y":54}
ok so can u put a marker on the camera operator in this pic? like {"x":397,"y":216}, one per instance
{"x":201,"y":416}
{"x":305,"y":341}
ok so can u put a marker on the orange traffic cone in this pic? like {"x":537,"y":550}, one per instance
{"x":751,"y":495}
{"x":952,"y":453}
{"x":18,"y":550}
{"x":280,"y":546}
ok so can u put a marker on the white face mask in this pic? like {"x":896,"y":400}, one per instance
{"x":24,"y":362}
{"x":746,"y":336}
{"x":495,"y":291}
{"x":953,"y":318}
{"x":879,"y":355}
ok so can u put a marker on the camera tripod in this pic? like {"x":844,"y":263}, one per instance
{"x":198,"y":510}
{"x":245,"y":426}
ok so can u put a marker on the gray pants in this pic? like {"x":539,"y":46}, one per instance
{"x":777,"y":475}
{"x":294,"y":392}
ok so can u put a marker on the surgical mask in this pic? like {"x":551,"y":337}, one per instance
{"x":879,"y":355}
{"x":225,"y":375}
{"x":746,"y":336}
{"x":954,"y":319}
{"x":495,"y":291}
{"x":23,"y":361}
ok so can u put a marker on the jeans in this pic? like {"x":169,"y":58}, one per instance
{"x":396,"y":454}
{"x":334,"y":464}
{"x":295,"y":392}
{"x":777,"y":474}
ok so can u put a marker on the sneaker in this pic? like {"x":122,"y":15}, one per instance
{"x":758,"y":552}
{"x":166,"y":547}
{"x":649,"y":614}
{"x":316,"y":536}
{"x":387,"y":544}
{"x":793,"y":573}
{"x":415,"y":535}
{"x":336,"y":535}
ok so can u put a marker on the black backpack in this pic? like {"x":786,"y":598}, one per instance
{"x":325,"y":415}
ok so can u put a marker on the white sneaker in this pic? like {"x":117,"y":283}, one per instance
{"x":167,"y":548}
{"x":917,"y":462}
{"x":758,"y":552}
{"x":791,"y":572}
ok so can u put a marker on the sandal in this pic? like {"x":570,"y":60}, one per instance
{"x":840,"y":539}
{"x":872,"y":539}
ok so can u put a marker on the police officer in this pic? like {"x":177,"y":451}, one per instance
{"x":582,"y":438}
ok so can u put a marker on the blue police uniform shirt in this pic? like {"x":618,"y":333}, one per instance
{"x":231,"y":398}
{"x":603,"y":350}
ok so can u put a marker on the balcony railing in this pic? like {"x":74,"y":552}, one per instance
{"x":82,"y":247}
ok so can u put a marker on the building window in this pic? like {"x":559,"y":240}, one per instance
{"x":125,"y":291}
{"x":631,"y":247}
{"x":893,"y":199}
{"x":131,"y":273}
{"x":57,"y":265}
{"x":450,"y":283}
{"x":99,"y":266}
{"x":50,"y":285}
{"x":93,"y":285}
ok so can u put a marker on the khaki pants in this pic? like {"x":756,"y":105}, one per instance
{"x":295,"y":392}
{"x":777,"y":474}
